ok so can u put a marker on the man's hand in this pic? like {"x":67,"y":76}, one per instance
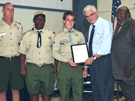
{"x":54,"y":73}
{"x":85,"y":72}
{"x":71,"y":63}
{"x":89,"y":61}
{"x":23,"y":72}
{"x":127,"y":73}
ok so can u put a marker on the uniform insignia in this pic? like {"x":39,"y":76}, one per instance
{"x":64,"y":41}
{"x":76,"y":34}
{"x":24,"y":33}
{"x":49,"y":37}
{"x":54,"y":33}
{"x":15,"y":24}
{"x":19,"y":23}
{"x":18,"y":28}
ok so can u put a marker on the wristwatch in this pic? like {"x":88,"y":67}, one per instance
{"x":94,"y":57}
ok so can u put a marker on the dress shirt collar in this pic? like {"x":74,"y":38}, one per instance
{"x":98,"y":21}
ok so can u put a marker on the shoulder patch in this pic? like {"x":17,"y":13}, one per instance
{"x":19,"y":23}
{"x":54,"y":33}
{"x":51,"y":31}
{"x":24,"y":33}
{"x":27,"y":32}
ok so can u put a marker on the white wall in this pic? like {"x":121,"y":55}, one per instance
{"x":25,"y":17}
{"x":105,"y":6}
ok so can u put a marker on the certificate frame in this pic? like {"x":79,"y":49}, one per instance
{"x":79,"y":58}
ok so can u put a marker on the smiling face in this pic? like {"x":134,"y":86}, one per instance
{"x":91,"y":16}
{"x":123,"y":15}
{"x":39,"y":22}
{"x":69,"y":22}
{"x":8,"y":11}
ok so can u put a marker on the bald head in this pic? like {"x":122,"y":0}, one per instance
{"x":123,"y":15}
{"x":8,"y":11}
{"x":8,"y":3}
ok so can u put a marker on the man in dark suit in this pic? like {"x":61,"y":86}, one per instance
{"x":123,"y":53}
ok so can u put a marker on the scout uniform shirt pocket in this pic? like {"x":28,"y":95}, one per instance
{"x":65,"y":45}
{"x":76,"y":39}
{"x":2,"y":34}
{"x":48,"y":45}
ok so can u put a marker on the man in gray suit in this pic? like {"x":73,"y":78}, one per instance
{"x":123,"y":53}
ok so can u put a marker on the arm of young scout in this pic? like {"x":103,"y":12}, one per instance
{"x":82,"y":40}
{"x":71,"y":63}
{"x":23,"y":70}
{"x":130,"y":62}
{"x":105,"y":46}
{"x":85,"y":72}
{"x":54,"y":73}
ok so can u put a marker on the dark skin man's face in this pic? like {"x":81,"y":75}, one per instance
{"x":122,"y":15}
{"x":39,"y":22}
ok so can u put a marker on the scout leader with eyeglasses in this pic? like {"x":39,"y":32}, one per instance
{"x":99,"y":61}
{"x":10,"y":36}
{"x":70,"y":74}
{"x":36,"y":50}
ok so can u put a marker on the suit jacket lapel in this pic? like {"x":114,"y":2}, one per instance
{"x":121,"y":30}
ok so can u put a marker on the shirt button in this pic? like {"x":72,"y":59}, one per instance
{"x":39,"y":58}
{"x":10,"y":33}
{"x":11,"y":39}
{"x":11,"y":50}
{"x":11,"y":45}
{"x":39,"y":53}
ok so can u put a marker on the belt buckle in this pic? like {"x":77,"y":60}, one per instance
{"x":39,"y":65}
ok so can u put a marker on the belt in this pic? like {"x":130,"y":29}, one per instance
{"x":9,"y":58}
{"x":39,"y":65}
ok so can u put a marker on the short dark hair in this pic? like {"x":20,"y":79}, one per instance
{"x":69,"y":13}
{"x":38,"y":15}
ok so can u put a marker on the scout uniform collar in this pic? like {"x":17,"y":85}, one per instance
{"x":66,"y":30}
{"x":3,"y":22}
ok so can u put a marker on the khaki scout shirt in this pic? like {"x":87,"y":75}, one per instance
{"x":61,"y":47}
{"x":10,"y":37}
{"x":36,"y":55}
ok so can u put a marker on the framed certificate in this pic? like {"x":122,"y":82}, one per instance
{"x":79,"y":53}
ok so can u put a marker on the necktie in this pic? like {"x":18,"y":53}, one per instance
{"x":70,"y":37}
{"x":39,"y":39}
{"x":90,"y":42}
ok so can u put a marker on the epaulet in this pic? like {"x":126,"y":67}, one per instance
{"x":27,"y":31}
{"x":18,"y":22}
{"x":60,"y":32}
{"x":24,"y":33}
{"x":51,"y":31}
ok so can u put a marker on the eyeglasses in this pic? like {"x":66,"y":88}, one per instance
{"x":91,"y":15}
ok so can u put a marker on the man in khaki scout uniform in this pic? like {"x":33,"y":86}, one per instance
{"x":70,"y":74}
{"x":10,"y":36}
{"x":36,"y":50}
